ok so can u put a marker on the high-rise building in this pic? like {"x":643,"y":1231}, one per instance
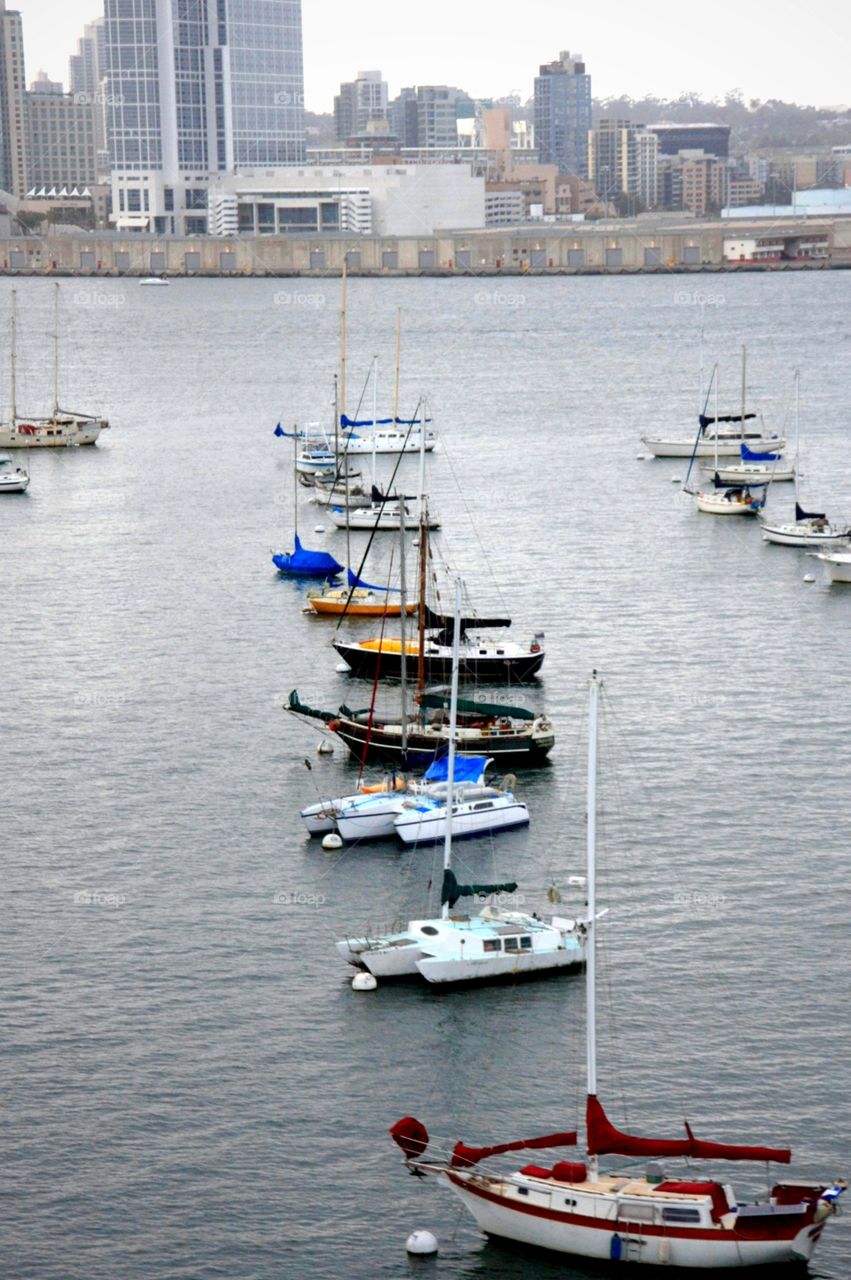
{"x":197,"y":88}
{"x":563,"y":114}
{"x":61,"y":142}
{"x":438,"y":109}
{"x":87,"y":83}
{"x":403,"y":117}
{"x":13,"y":123}
{"x":622,"y":161}
{"x":359,"y":103}
{"x":712,"y":139}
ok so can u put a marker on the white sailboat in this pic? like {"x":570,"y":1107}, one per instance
{"x":455,"y":947}
{"x":723,"y":499}
{"x":62,"y":427}
{"x":573,"y":1208}
{"x":809,"y":528}
{"x":13,"y":477}
{"x":720,"y":436}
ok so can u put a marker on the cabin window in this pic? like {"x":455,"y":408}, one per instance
{"x":483,"y":804}
{"x":679,"y":1213}
{"x":500,"y":653}
{"x":430,"y":930}
{"x":568,"y":1203}
{"x":492,"y":944}
{"x":526,"y":944}
{"x":523,"y":1191}
{"x":511,"y":944}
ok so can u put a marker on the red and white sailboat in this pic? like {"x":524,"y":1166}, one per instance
{"x":688,"y":1220}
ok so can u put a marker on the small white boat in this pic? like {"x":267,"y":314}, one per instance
{"x":807,"y":530}
{"x":379,"y":515}
{"x":382,"y":436}
{"x":714,"y":443}
{"x":730,"y":500}
{"x":312,"y":461}
{"x":838,"y":564}
{"x":13,"y":478}
{"x":153,"y":280}
{"x":476,"y":811}
{"x":754,"y":468}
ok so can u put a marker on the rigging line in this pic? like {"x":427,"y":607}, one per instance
{"x":370,"y":721}
{"x":374,"y":531}
{"x":474,"y":525}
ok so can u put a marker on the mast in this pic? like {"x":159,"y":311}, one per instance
{"x":423,"y":554}
{"x":715,"y":377}
{"x":342,"y":388}
{"x":403,"y":656}
{"x":13,"y":360}
{"x":797,"y":434}
{"x":374,"y":411}
{"x":591,"y":942}
{"x":744,"y":384}
{"x":55,"y":411}
{"x":700,"y":405}
{"x":295,"y":483}
{"x":453,"y":720}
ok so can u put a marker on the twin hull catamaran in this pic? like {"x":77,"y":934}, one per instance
{"x":571,"y":1207}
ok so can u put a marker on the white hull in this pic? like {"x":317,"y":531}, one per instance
{"x":727,"y":447}
{"x":389,"y":442}
{"x":416,"y":827}
{"x":382,"y":961}
{"x":717,"y":505}
{"x":14,"y":484}
{"x":801,"y":535}
{"x":152,"y":280}
{"x":442,"y":972}
{"x":750,"y":473}
{"x":370,"y":518}
{"x":492,"y":1204}
{"x":838,"y":565}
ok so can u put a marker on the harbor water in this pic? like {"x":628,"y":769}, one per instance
{"x":192,"y":1088}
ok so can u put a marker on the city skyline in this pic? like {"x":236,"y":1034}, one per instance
{"x":467,"y":48}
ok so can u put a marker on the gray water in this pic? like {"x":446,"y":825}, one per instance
{"x":192,"y":1089}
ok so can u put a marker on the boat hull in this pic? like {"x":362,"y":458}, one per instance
{"x":60,"y":436}
{"x":726,"y":448}
{"x":14,"y":484}
{"x":415,"y":827}
{"x":387,"y":664}
{"x":791,"y":535}
{"x":715,"y":506}
{"x":750,"y":474}
{"x":517,"y":750}
{"x":499,"y":968}
{"x":539,"y":1223}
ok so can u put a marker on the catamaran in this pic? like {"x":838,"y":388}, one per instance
{"x":571,"y":1207}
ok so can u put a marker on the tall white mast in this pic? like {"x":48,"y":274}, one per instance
{"x":715,"y":376}
{"x":797,"y":433}
{"x":55,"y":412}
{"x":403,"y":640}
{"x":453,"y":722}
{"x":342,"y":383}
{"x":744,"y":384}
{"x":591,"y":940}
{"x":374,"y":412}
{"x":13,"y":360}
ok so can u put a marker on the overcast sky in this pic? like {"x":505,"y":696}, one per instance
{"x":800,"y":52}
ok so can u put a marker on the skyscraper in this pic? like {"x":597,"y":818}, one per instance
{"x":358,"y":102}
{"x":196,"y":88}
{"x":563,"y":114}
{"x":13,"y":121}
{"x":86,"y":81}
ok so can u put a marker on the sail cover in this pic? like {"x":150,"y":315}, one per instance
{"x":302,"y":709}
{"x":309,"y":564}
{"x":446,"y":624}
{"x":412,"y":1136}
{"x":452,"y":890}
{"x":346,"y":421}
{"x":488,"y":710}
{"x":749,"y":455}
{"x":801,"y":514}
{"x":724,"y":417}
{"x":605,"y":1139}
{"x":467,"y":768}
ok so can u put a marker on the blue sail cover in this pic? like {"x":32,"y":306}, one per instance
{"x":307,"y":564}
{"x":467,"y":769}
{"x":346,"y":421}
{"x":355,"y":581}
{"x":748,"y":455}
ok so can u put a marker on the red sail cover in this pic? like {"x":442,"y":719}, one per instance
{"x":464,"y":1157}
{"x":411,"y":1136}
{"x":604,"y":1138}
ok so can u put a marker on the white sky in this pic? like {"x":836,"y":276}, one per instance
{"x":786,"y":49}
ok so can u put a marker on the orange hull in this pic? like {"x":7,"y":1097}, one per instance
{"x":336,"y":608}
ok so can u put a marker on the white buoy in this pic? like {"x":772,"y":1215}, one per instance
{"x":342,"y":668}
{"x":319,"y":528}
{"x":676,"y":480}
{"x":366,"y":982}
{"x":332,"y":841}
{"x":641,"y":457}
{"x":809,"y":577}
{"x":325,"y":749}
{"x":421,"y":1242}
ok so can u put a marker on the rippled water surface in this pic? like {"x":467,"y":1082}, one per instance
{"x":192,"y":1089}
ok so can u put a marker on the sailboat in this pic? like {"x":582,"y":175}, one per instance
{"x":753,"y":468}
{"x":725,"y":499}
{"x":810,"y":528}
{"x":301,"y":562}
{"x":13,"y":477}
{"x":719,"y":436}
{"x":838,"y":564}
{"x":455,"y":947}
{"x":62,"y":427}
{"x":573,"y":1208}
